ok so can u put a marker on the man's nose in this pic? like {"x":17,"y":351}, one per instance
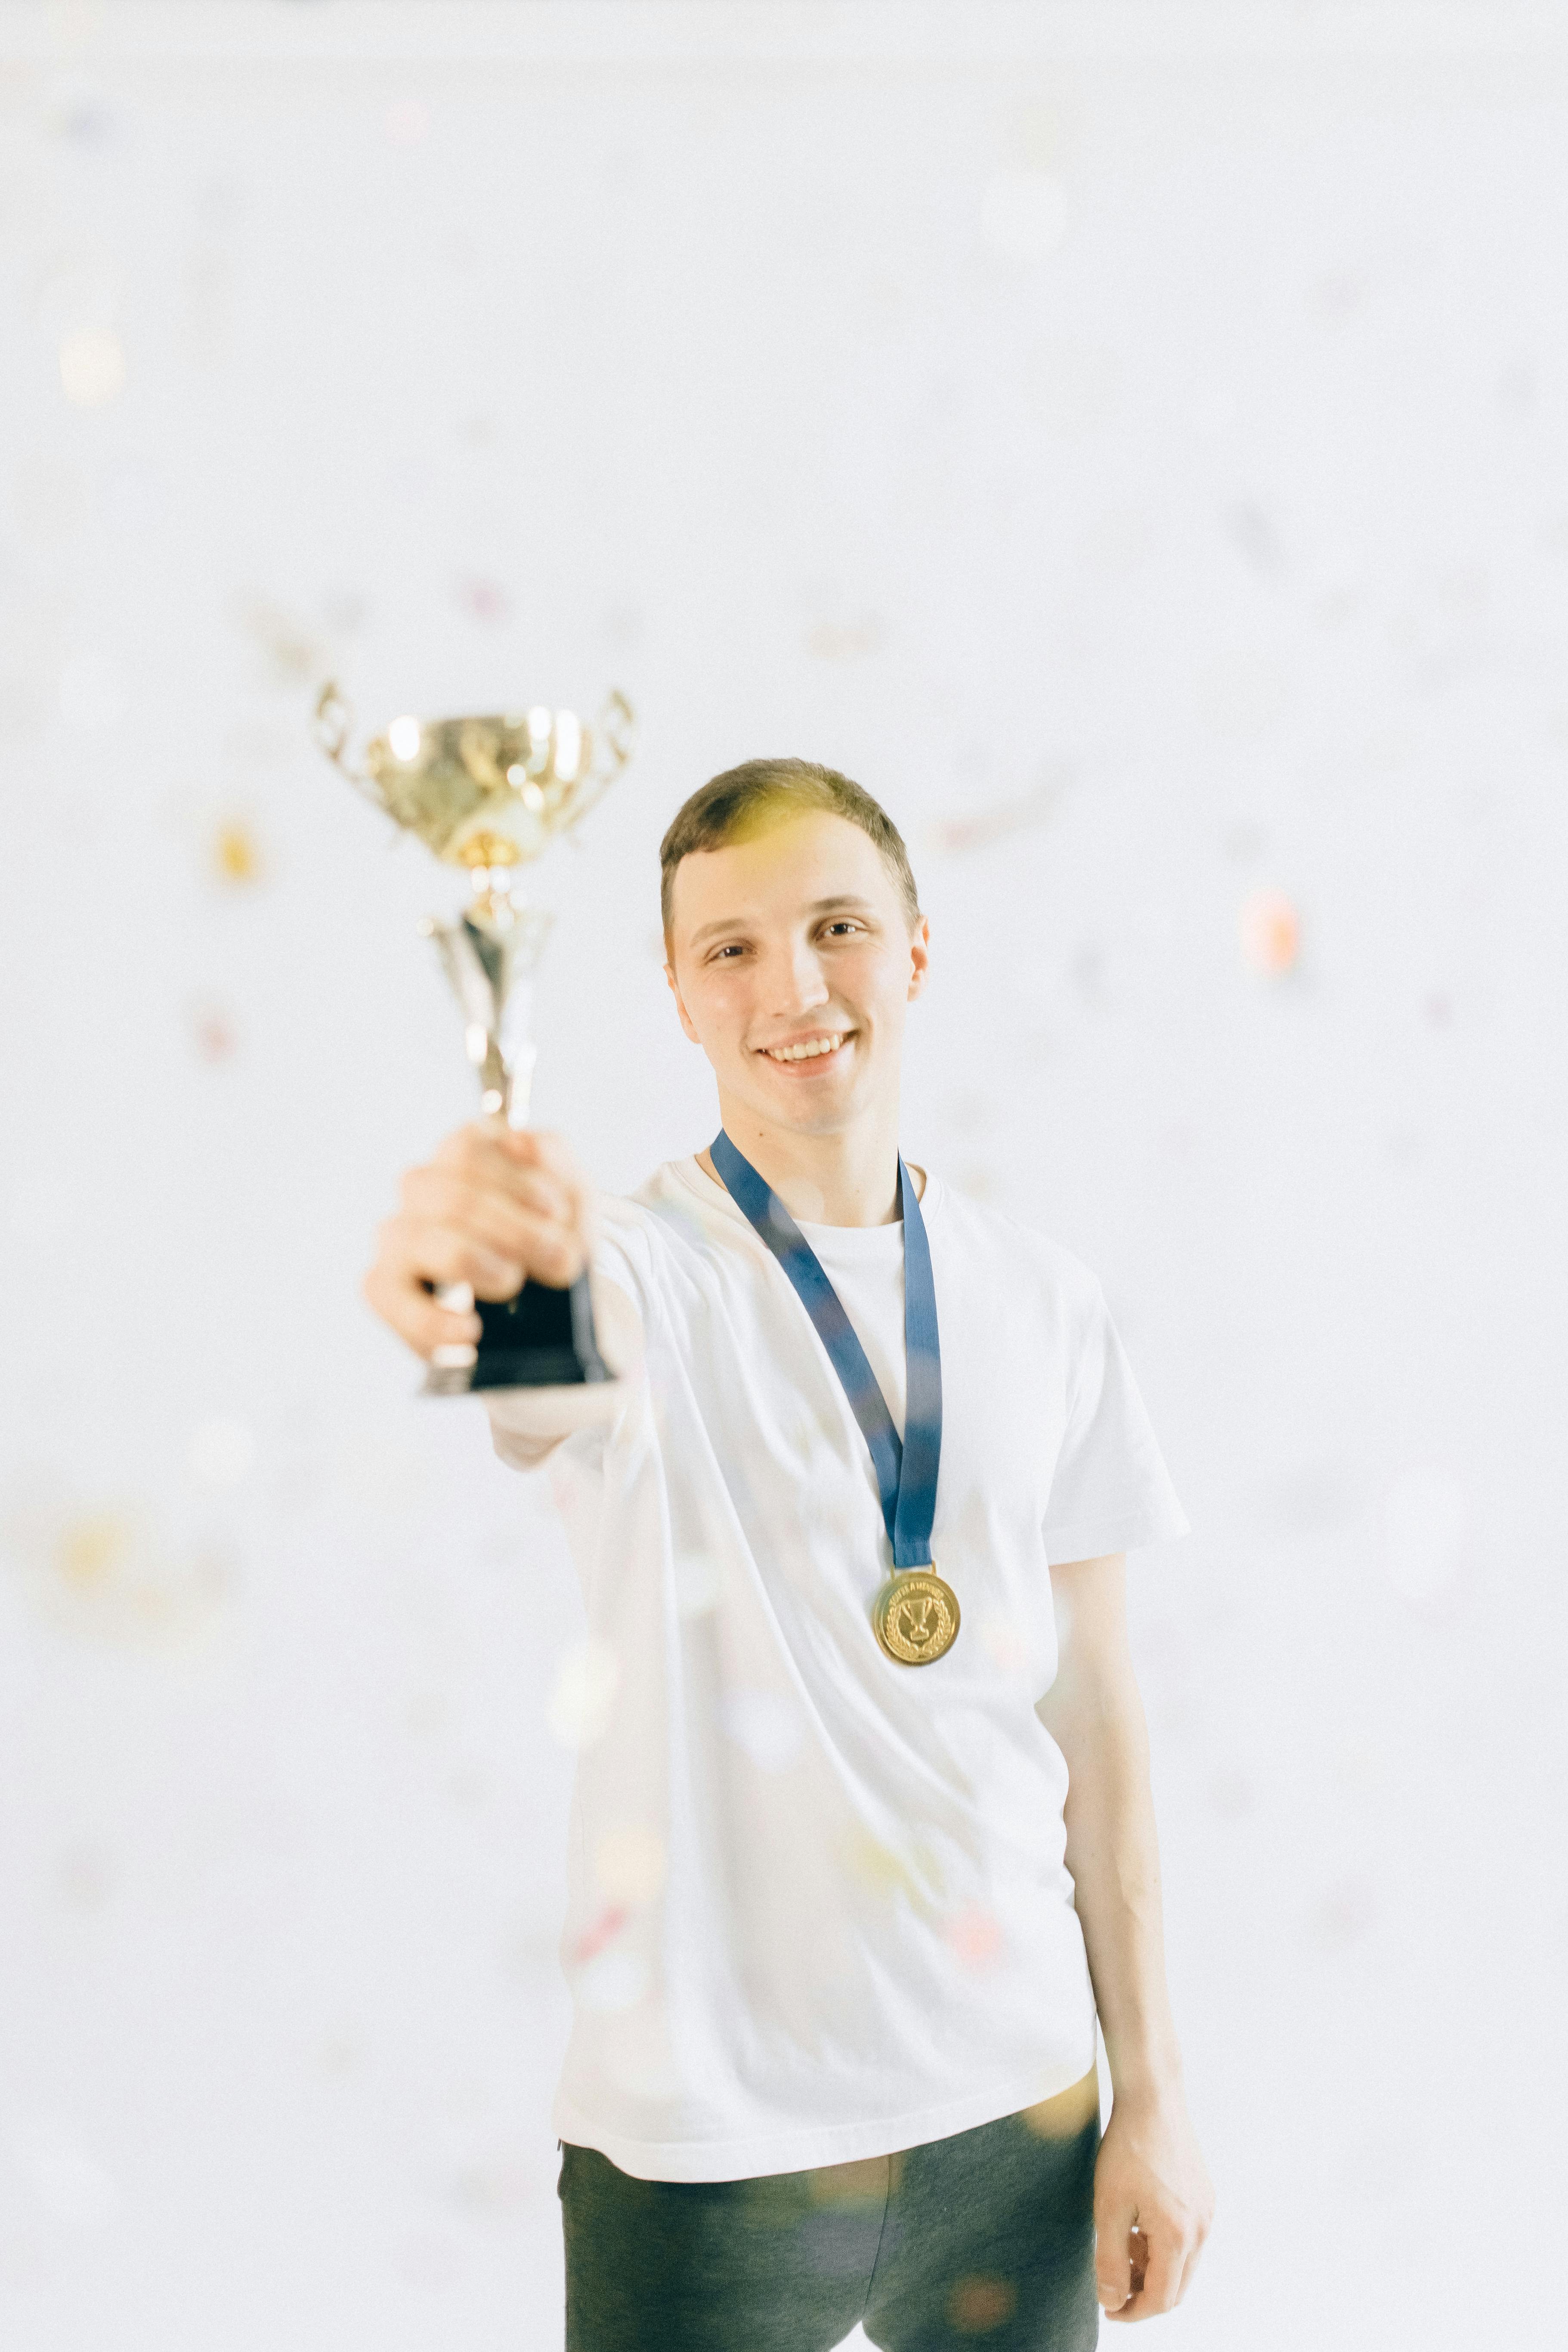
{"x":797,"y":980}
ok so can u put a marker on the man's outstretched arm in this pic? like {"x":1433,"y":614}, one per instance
{"x":1151,"y":2175}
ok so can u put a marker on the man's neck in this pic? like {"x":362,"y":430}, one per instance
{"x":847,"y":1179}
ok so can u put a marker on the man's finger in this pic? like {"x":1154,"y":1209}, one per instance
{"x":414,"y":1316}
{"x":498,"y":1217}
{"x":1113,"y":2263}
{"x":436,"y":1254}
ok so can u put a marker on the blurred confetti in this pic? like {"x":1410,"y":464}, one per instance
{"x":955,"y":835}
{"x":222,"y":1453}
{"x":1346,"y":1911}
{"x":407,"y":122}
{"x":119,"y":1571}
{"x":484,"y":599}
{"x":234,"y":854}
{"x":764,"y":1726}
{"x":630,"y":1863}
{"x":1023,"y":215}
{"x":587,"y":1678}
{"x":1425,"y":1522}
{"x":1270,"y":932}
{"x":93,"y":366}
{"x":50,"y":500}
{"x":980,"y":2303}
{"x":604,"y":1930}
{"x":844,"y":641}
{"x":214,"y":1032}
{"x":1252,"y":531}
{"x":293,"y":652}
{"x":974,"y":1935}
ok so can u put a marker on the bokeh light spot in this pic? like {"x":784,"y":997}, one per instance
{"x":586,"y":1681}
{"x":1023,"y":215}
{"x":630,"y":1863}
{"x":93,"y":366}
{"x":980,"y":2301}
{"x":1270,"y":932}
{"x":235,"y":853}
{"x":1425,"y":1520}
{"x":973,"y":1935}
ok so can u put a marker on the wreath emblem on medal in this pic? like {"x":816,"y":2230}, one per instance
{"x":915,"y":1616}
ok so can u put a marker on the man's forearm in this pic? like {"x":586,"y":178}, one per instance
{"x":1113,"y":1856}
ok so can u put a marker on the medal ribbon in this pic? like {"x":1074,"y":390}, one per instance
{"x":906,"y":1471}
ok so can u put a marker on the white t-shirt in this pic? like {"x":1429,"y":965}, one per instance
{"x":818,"y":1906}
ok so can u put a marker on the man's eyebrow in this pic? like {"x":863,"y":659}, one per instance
{"x":817,"y":906}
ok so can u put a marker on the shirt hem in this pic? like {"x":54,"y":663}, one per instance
{"x":803,"y":2151}
{"x":1093,"y":1541}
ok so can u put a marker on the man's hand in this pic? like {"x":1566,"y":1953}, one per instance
{"x":495,"y":1206}
{"x":1153,"y":2203}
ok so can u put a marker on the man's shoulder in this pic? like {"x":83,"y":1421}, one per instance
{"x":978,"y":1229}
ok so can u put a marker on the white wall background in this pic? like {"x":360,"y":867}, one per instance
{"x":1131,"y":441}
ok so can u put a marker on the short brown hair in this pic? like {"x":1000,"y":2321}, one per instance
{"x":744,"y":799}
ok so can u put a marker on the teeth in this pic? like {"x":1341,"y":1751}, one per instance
{"x":803,"y":1053}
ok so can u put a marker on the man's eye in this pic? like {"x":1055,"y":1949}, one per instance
{"x":734,"y":950}
{"x":845,"y":923}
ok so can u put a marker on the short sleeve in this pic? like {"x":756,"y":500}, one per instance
{"x":1110,"y":1490}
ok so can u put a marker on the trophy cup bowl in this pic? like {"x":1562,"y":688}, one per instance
{"x":491,"y":794}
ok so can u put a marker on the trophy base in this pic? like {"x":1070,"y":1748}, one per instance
{"x":542,"y":1338}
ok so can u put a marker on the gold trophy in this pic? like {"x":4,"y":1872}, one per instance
{"x":492,"y":794}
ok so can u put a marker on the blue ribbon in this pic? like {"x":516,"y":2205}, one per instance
{"x":906,"y":1472}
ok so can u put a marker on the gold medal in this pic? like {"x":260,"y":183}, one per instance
{"x":915,"y":1616}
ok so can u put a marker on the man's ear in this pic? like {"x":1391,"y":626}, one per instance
{"x":919,"y":956}
{"x":679,"y":1006}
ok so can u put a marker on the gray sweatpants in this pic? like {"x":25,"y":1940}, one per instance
{"x":982,"y":2240}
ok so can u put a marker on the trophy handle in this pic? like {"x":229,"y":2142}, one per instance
{"x":331,"y":725}
{"x":615,"y":729}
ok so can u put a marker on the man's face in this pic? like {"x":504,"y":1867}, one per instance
{"x":788,"y":943}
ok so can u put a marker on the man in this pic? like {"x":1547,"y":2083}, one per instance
{"x":862,"y":1833}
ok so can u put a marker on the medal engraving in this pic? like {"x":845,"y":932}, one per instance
{"x":915,"y":1616}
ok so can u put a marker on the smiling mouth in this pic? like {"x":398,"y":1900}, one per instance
{"x":808,"y":1049}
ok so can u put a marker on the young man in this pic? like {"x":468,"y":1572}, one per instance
{"x":863,"y":1838}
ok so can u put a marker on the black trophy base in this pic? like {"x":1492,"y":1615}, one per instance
{"x":542,"y":1338}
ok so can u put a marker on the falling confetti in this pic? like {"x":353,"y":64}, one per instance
{"x":630,"y":1863}
{"x":93,"y":366}
{"x":222,"y":1453}
{"x":1270,"y":932}
{"x":294,"y":654}
{"x":1023,"y":215}
{"x":980,"y":2303}
{"x":974,"y":1935}
{"x":586,"y":1681}
{"x":213,"y":1030}
{"x":832,"y":641}
{"x":486,"y":600}
{"x":764,"y":1724}
{"x":1425,"y":1522}
{"x":604,"y":1930}
{"x":407,"y":122}
{"x":116,"y":1570}
{"x":235,"y":853}
{"x":955,"y":835}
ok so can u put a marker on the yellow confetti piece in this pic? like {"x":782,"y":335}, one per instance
{"x":236,"y":855}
